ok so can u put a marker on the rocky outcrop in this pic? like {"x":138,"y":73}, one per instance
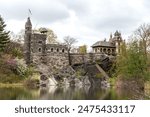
{"x":68,"y":76}
{"x":76,"y":75}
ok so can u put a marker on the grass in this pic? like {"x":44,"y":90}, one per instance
{"x":147,"y":85}
{"x":112,"y":81}
{"x":11,"y":85}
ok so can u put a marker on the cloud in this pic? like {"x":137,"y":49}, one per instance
{"x":80,"y":7}
{"x":85,"y":19}
{"x":108,"y":16}
{"x":42,"y":11}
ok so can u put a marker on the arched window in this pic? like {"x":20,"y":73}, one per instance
{"x":40,"y":49}
{"x":109,"y":51}
{"x":63,"y":50}
{"x":104,"y":50}
{"x":101,"y":50}
{"x":57,"y":50}
{"x":52,"y":49}
{"x":95,"y":49}
{"x":113,"y":51}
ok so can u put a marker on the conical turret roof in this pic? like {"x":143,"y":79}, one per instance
{"x":28,"y":23}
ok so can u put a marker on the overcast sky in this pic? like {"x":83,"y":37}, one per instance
{"x":86,"y":20}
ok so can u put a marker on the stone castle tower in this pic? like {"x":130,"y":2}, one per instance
{"x":27,"y":41}
{"x":34,"y":43}
{"x":116,"y":39}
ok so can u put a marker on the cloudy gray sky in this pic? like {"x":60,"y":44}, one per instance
{"x":86,"y":20}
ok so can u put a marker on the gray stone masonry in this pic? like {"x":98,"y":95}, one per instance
{"x":36,"y":51}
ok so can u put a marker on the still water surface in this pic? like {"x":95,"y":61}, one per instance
{"x":63,"y":93}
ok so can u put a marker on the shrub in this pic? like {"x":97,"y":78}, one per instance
{"x":98,"y":75}
{"x":19,"y":67}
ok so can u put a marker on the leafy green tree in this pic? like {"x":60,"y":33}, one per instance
{"x":4,"y":35}
{"x":132,"y":62}
{"x":83,"y":49}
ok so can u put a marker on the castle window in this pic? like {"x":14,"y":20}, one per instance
{"x":40,"y":49}
{"x":52,"y":49}
{"x":57,"y":50}
{"x":40,"y":42}
{"x":113,"y":50}
{"x":95,"y":49}
{"x":101,"y":50}
{"x":104,"y":50}
{"x":27,"y":28}
{"x":63,"y":50}
{"x":108,"y":51}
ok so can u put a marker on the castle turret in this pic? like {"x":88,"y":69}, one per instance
{"x":27,"y":41}
{"x":111,"y":38}
{"x":118,"y":40}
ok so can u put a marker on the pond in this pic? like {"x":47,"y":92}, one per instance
{"x":64,"y":93}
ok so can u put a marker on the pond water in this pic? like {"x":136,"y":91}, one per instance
{"x":63,"y":93}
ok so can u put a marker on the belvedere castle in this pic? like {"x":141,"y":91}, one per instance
{"x":37,"y":51}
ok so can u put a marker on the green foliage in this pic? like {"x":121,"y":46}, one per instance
{"x":4,"y":35}
{"x":80,"y":72}
{"x":99,"y":75}
{"x":132,"y":62}
{"x":112,"y":81}
{"x":14,"y":70}
{"x":6,"y":74}
{"x":18,"y":67}
{"x":22,"y":69}
{"x":17,"y":53}
{"x":83,"y":49}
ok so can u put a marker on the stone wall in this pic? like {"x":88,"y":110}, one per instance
{"x":55,"y":61}
{"x":82,"y":58}
{"x":38,"y":43}
{"x":58,"y":60}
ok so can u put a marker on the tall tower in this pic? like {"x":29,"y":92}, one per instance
{"x":27,"y":41}
{"x":111,"y":38}
{"x":118,"y":40}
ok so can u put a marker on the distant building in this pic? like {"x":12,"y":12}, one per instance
{"x":111,"y":47}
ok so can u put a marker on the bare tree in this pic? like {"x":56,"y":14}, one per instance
{"x":143,"y":35}
{"x":69,"y":41}
{"x":19,"y":37}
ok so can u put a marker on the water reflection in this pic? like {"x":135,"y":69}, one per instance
{"x":18,"y":93}
{"x":64,"y":93}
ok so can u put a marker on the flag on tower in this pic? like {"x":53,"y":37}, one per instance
{"x":30,"y":12}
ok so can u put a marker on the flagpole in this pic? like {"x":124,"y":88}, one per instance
{"x":29,"y":13}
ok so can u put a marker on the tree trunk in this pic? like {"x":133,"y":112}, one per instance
{"x":145,"y":48}
{"x":69,"y":57}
